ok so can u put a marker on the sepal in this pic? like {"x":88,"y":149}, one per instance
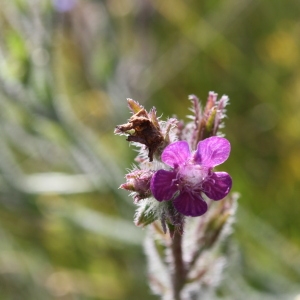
{"x":145,"y":214}
{"x":134,"y":106}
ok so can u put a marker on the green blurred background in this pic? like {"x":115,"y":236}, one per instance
{"x":67,"y":67}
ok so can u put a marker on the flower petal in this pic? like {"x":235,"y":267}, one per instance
{"x":212,"y":151}
{"x":190,"y":204}
{"x":217,"y":186}
{"x":162,"y":185}
{"x":176,"y":153}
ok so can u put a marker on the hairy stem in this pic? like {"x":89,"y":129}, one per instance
{"x":179,"y":271}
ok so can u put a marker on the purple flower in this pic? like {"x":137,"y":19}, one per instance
{"x":192,"y":174}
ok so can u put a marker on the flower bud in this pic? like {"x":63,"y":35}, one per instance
{"x":209,"y":121}
{"x":142,"y":128}
{"x":138,"y":182}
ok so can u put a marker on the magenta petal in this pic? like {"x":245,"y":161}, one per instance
{"x":162,"y":185}
{"x":190,"y":205}
{"x":217,"y":186}
{"x":212,"y":151}
{"x":176,"y":153}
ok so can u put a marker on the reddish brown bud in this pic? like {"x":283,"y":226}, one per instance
{"x":142,"y":128}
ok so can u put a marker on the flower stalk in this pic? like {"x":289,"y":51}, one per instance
{"x":179,"y":271}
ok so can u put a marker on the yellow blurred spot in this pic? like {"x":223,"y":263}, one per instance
{"x":92,"y":106}
{"x":291,"y":128}
{"x":120,"y":8}
{"x":294,"y":164}
{"x":282,"y":48}
{"x":66,"y":282}
{"x":177,"y":12}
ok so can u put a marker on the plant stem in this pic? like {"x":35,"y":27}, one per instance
{"x":179,"y":271}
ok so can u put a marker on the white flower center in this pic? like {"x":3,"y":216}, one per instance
{"x":192,"y":175}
